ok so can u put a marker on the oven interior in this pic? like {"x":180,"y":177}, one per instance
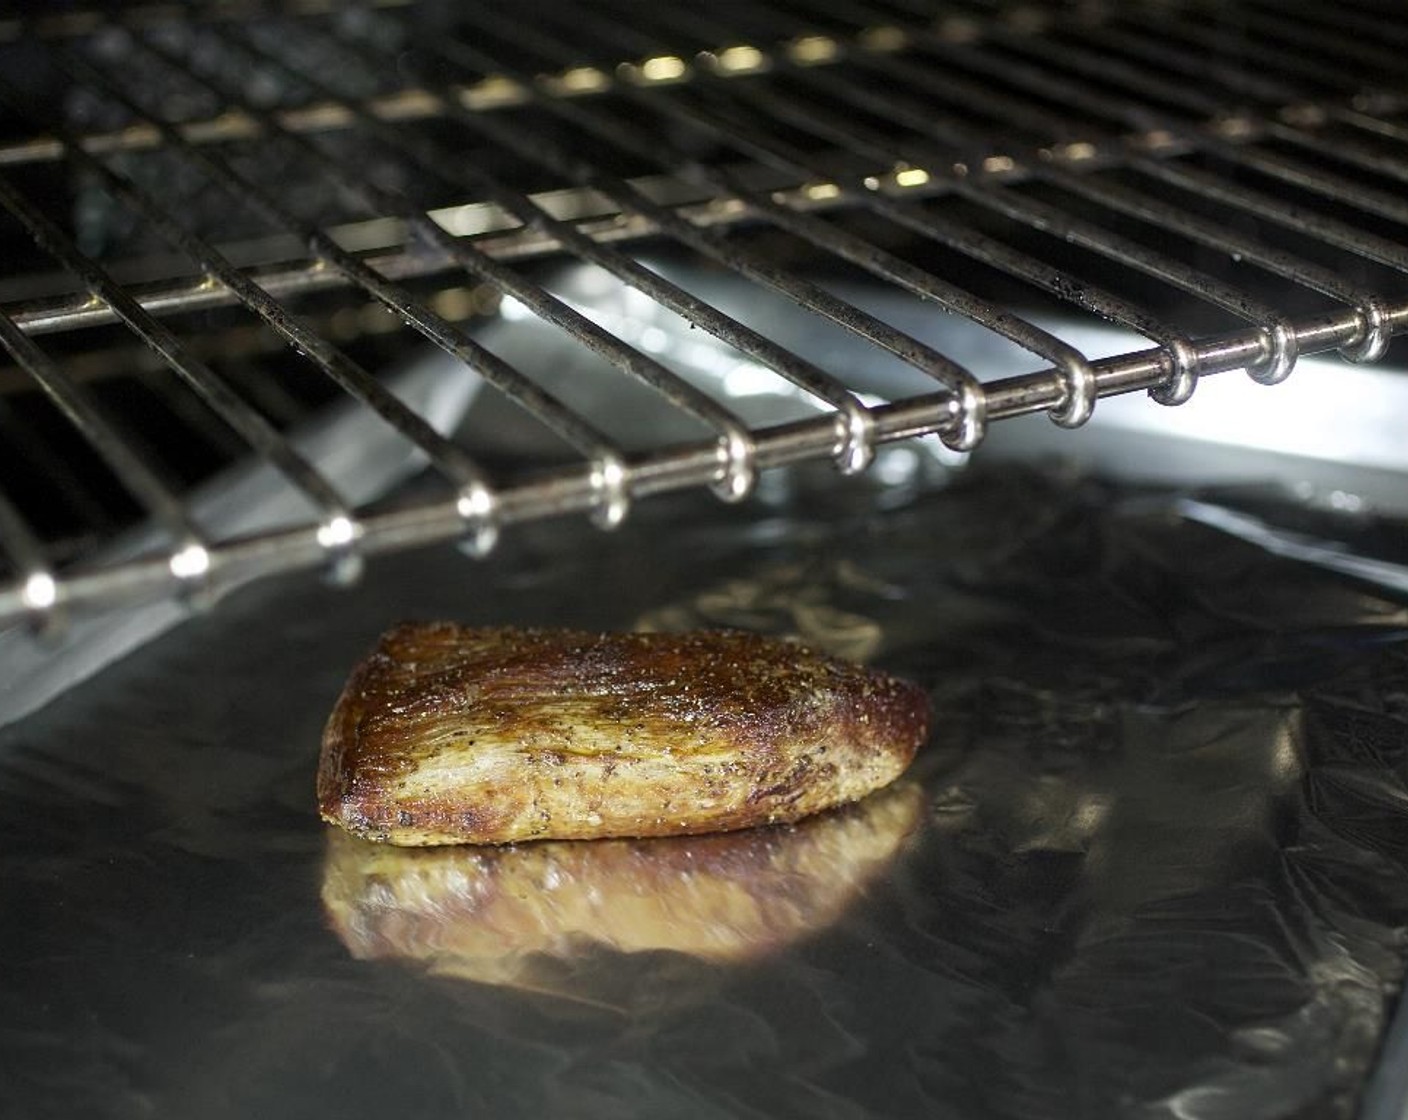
{"x":916,"y":330}
{"x":713,"y":241}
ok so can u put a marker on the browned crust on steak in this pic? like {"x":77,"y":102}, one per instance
{"x":447,"y":734}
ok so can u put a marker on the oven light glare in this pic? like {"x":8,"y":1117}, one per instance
{"x":337,"y":532}
{"x":654,"y":341}
{"x":708,"y":357}
{"x":896,"y":466}
{"x":638,"y":305}
{"x":911,"y":177}
{"x":583,"y":79}
{"x":495,"y":90}
{"x":747,"y":379}
{"x":810,"y":50}
{"x":475,"y":503}
{"x":820,"y":192}
{"x":662,"y":68}
{"x":191,"y":562}
{"x":40,"y":591}
{"x":512,"y":310}
{"x":739,"y":60}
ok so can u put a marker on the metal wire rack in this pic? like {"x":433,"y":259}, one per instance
{"x":216,"y":204}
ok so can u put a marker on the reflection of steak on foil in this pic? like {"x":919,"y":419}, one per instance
{"x":451,"y":735}
{"x":500,"y":915}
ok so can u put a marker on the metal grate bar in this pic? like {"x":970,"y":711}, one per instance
{"x":735,"y":451}
{"x":187,"y":564}
{"x":1142,"y":50}
{"x":1329,"y":231}
{"x":1343,"y":18}
{"x":1200,"y":50}
{"x":1368,"y":305}
{"x":1037,"y":79}
{"x":1137,"y":82}
{"x":221,"y":399}
{"x":921,"y":119}
{"x":875,"y":137}
{"x":1337,"y":188}
{"x":1294,"y":35}
{"x":33,"y":573}
{"x":854,"y":452}
{"x":412,"y":104}
{"x":493,"y":92}
{"x":1080,"y":393}
{"x":738,"y":477}
{"x":1279,"y":336}
{"x":1169,"y":218}
{"x":1241,"y":128}
{"x":381,"y":251}
{"x":1276,"y":64}
{"x":448,"y":457}
{"x":1345,"y":151}
{"x":1050,"y":219}
{"x":1282,"y":101}
{"x":1088,"y":296}
{"x":137,"y":476}
{"x":1291,"y":109}
{"x":1341,"y":189}
{"x":1284,"y":264}
{"x":37,"y":453}
{"x":608,"y":468}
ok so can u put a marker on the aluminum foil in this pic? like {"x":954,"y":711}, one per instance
{"x":1151,"y":863}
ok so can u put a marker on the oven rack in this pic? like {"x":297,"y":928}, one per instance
{"x":1159,"y":166}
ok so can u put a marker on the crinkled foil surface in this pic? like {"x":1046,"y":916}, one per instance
{"x":1151,"y":863}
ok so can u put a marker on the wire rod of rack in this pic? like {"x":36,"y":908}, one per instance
{"x":1146,"y":140}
